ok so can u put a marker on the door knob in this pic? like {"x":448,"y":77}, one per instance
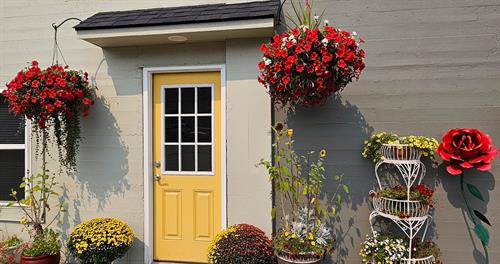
{"x":157,"y":177}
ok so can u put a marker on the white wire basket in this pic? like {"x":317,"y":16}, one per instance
{"x":400,"y":152}
{"x":427,"y":260}
{"x":403,"y":209}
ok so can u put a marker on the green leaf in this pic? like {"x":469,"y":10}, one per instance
{"x":10,"y":204}
{"x":475,"y":191}
{"x":339,"y":199}
{"x":22,"y":185}
{"x":482,"y":217}
{"x":336,"y":178}
{"x":273,"y":213}
{"x":334,"y":210}
{"x":346,"y":188}
{"x":482,"y":233}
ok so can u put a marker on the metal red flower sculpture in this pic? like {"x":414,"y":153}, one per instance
{"x":466,"y":148}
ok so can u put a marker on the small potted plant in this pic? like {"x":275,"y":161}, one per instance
{"x":304,"y":236}
{"x":306,"y":241}
{"x":100,"y":240}
{"x":390,"y":146}
{"x":378,"y":248}
{"x":241,"y":243}
{"x":44,"y":245}
{"x":12,"y":243}
{"x":10,"y":249}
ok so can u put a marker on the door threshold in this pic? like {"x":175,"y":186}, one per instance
{"x":167,"y":262}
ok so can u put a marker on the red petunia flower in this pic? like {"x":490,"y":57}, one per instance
{"x":466,"y":148}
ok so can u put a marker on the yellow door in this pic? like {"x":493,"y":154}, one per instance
{"x":187,"y":164}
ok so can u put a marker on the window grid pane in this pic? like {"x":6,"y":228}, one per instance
{"x":193,"y":143}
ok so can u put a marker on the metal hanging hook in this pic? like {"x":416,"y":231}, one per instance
{"x":57,"y":49}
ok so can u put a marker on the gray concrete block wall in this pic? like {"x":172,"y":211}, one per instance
{"x":431,"y":66}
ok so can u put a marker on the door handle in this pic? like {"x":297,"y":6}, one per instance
{"x":157,"y":177}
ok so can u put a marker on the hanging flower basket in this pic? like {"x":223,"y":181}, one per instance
{"x":305,"y":66}
{"x":53,"y":97}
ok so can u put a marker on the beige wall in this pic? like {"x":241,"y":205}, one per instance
{"x":110,"y":177}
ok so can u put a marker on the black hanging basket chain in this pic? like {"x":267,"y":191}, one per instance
{"x":57,"y":50}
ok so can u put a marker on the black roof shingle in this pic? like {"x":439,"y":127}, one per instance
{"x":180,"y":15}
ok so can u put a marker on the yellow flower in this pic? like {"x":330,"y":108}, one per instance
{"x":294,"y":235}
{"x":322,"y":153}
{"x":313,"y":243}
{"x":286,"y":233}
{"x":289,"y":132}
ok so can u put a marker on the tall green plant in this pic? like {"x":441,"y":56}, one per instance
{"x":39,"y":189}
{"x":299,"y":178}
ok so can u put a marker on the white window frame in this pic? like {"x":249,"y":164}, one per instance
{"x":27,"y":152}
{"x":195,"y":143}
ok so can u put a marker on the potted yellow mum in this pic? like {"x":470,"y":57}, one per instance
{"x":100,"y":240}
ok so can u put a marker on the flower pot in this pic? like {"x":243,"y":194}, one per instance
{"x":302,"y":258}
{"x":46,"y":259}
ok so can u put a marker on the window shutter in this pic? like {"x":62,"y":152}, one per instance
{"x":11,"y":126}
{"x":11,"y":173}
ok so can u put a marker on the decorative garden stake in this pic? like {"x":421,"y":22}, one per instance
{"x":466,"y":148}
{"x":309,"y":62}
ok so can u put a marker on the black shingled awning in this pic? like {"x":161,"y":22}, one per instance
{"x":180,"y":15}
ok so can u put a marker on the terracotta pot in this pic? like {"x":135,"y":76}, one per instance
{"x":299,"y":259}
{"x":47,"y":259}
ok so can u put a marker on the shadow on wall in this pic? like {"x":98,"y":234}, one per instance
{"x":485,"y":182}
{"x":104,"y":166}
{"x":340,"y":128}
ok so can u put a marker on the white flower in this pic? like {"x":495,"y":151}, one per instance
{"x":354,"y":33}
{"x":268,"y":62}
{"x":327,"y":22}
{"x":316,"y":18}
{"x":324,"y":41}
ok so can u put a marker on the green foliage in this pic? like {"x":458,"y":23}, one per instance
{"x":417,"y":193}
{"x":371,"y":149}
{"x":306,"y":235}
{"x":39,"y":189}
{"x":482,"y":233}
{"x":299,"y":179}
{"x":12,"y":241}
{"x":425,"y":249}
{"x":303,"y":15}
{"x":45,"y":244}
{"x":372,"y":146}
{"x":475,"y":191}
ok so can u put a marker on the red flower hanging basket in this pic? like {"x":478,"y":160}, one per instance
{"x":305,"y":66}
{"x":52,"y":97}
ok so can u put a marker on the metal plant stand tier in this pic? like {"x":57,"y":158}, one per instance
{"x":410,"y":216}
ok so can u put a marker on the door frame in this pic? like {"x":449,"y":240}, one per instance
{"x":147,"y":91}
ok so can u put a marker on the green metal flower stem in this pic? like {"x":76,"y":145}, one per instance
{"x":471,"y":214}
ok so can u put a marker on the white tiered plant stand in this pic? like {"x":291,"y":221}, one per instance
{"x":410,"y":216}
